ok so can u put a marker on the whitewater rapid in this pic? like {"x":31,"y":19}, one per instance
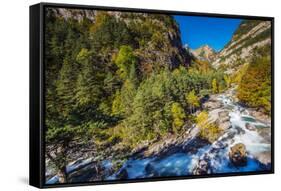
{"x":182,"y":163}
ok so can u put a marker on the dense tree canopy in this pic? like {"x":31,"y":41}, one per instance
{"x":103,"y":87}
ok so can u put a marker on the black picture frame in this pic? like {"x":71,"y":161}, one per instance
{"x":37,"y":92}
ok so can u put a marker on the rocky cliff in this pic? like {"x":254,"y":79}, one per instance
{"x":205,"y":53}
{"x":249,"y":36}
{"x":157,"y":36}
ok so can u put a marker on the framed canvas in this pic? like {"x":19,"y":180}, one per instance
{"x":122,"y":95}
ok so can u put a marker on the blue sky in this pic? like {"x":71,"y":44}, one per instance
{"x":197,"y":31}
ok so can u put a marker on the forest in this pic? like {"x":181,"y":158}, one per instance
{"x":109,"y":90}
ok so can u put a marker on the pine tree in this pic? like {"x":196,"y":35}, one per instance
{"x":65,"y":87}
{"x":88,"y":86}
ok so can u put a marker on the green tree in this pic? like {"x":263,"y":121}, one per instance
{"x":215,"y":86}
{"x":192,"y":100}
{"x":178,"y":116}
{"x":65,"y":86}
{"x":126,"y":61}
{"x":227,"y":80}
{"x":88,"y":86}
{"x":107,"y":32}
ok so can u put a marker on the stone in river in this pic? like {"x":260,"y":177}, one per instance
{"x":238,"y":155}
{"x":203,"y":166}
{"x":123,"y":174}
{"x":149,"y":169}
{"x":250,"y":127}
{"x":212,"y":105}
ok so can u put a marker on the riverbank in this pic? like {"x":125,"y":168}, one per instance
{"x":243,"y":131}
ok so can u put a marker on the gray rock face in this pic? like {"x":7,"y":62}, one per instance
{"x":249,"y":36}
{"x":205,"y":53}
{"x":151,"y":55}
{"x":76,"y":14}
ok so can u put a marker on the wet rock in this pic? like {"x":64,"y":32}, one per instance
{"x":193,"y":145}
{"x":223,"y":120}
{"x":91,"y":172}
{"x":220,"y":145}
{"x":150,"y":171}
{"x":123,"y":174}
{"x":141,"y":148}
{"x":265,"y":133}
{"x":168,"y":145}
{"x":250,"y":127}
{"x":260,"y":116}
{"x":220,"y":117}
{"x":203,"y":167}
{"x":224,"y":115}
{"x":238,"y":155}
{"x":225,"y":125}
{"x":212,"y":104}
{"x":239,"y":130}
{"x":264,"y":158}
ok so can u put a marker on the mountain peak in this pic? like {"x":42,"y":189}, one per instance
{"x":205,"y":52}
{"x":206,"y":47}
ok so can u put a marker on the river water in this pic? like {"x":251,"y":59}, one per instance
{"x":182,"y":163}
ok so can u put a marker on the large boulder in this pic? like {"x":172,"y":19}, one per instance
{"x":238,"y":155}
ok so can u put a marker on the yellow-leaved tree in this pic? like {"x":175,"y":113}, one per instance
{"x":192,"y":100}
{"x":178,"y":115}
{"x":208,"y":130}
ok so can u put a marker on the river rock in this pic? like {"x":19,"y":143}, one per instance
{"x":212,"y":104}
{"x":224,"y":116}
{"x":239,"y":130}
{"x":265,"y":133}
{"x":264,"y":158}
{"x":223,"y":120}
{"x":250,"y":127}
{"x":194,"y":144}
{"x":150,"y":171}
{"x":203,"y":167}
{"x":140,"y":148}
{"x":260,"y":116}
{"x":238,"y":155}
{"x":224,"y":125}
{"x":123,"y":174}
